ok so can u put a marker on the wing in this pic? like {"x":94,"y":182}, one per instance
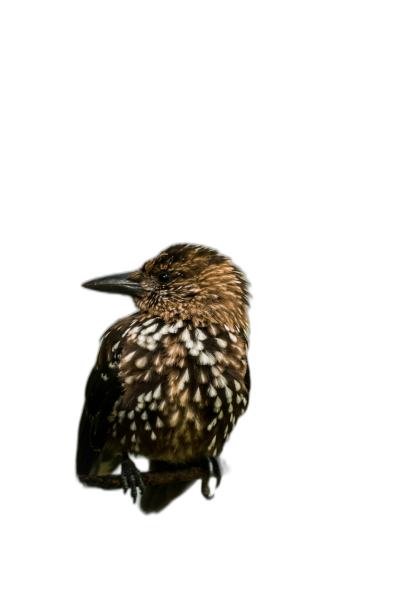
{"x":247,"y":379}
{"x":102,"y":391}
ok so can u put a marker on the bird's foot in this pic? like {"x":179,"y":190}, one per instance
{"x":212,"y":468}
{"x":131,"y":477}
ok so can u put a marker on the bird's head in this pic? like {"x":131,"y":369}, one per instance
{"x":185,"y":282}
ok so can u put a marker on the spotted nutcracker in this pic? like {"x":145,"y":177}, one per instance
{"x":172,"y":379}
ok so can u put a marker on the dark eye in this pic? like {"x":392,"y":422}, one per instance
{"x":164,"y":276}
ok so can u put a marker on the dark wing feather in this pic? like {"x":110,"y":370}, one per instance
{"x":247,"y":381}
{"x":102,"y":391}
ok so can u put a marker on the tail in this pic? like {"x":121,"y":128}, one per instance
{"x":156,"y":498}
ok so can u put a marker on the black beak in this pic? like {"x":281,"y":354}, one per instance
{"x":115,"y":284}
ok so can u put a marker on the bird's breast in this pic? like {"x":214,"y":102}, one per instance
{"x":183,"y":388}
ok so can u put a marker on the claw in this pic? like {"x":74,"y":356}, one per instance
{"x":212,"y":468}
{"x":131,"y":477}
{"x":205,"y":491}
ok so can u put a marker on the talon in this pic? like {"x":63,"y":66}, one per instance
{"x":131,"y":477}
{"x":217,"y":470}
{"x":212,"y":468}
{"x":205,"y":490}
{"x":207,"y":465}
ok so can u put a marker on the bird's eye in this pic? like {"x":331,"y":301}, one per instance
{"x":164,"y":276}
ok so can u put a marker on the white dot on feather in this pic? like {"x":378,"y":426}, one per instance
{"x":212,"y":423}
{"x":131,"y":414}
{"x":174,"y":418}
{"x":212,"y":442}
{"x":128,"y":357}
{"x":205,"y":358}
{"x":184,"y":380}
{"x":152,"y":329}
{"x":153,"y":436}
{"x":142,"y":341}
{"x":148,"y":322}
{"x":217,"y":404}
{"x":197,"y":396}
{"x":185,"y":335}
{"x":159,"y":422}
{"x":211,"y":391}
{"x":173,"y":328}
{"x":203,"y":377}
{"x":144,"y":415}
{"x":133,"y":426}
{"x":220,"y":381}
{"x":237,"y":385}
{"x":200,"y":335}
{"x":141,"y":363}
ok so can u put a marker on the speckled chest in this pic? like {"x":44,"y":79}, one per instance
{"x":183,"y":387}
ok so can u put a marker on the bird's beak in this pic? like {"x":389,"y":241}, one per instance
{"x":115,"y":284}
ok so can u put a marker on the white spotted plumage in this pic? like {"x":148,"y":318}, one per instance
{"x":182,"y":384}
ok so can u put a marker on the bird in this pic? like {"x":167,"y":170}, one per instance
{"x":172,"y":379}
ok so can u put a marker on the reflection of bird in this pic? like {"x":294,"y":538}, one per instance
{"x":171,"y":380}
